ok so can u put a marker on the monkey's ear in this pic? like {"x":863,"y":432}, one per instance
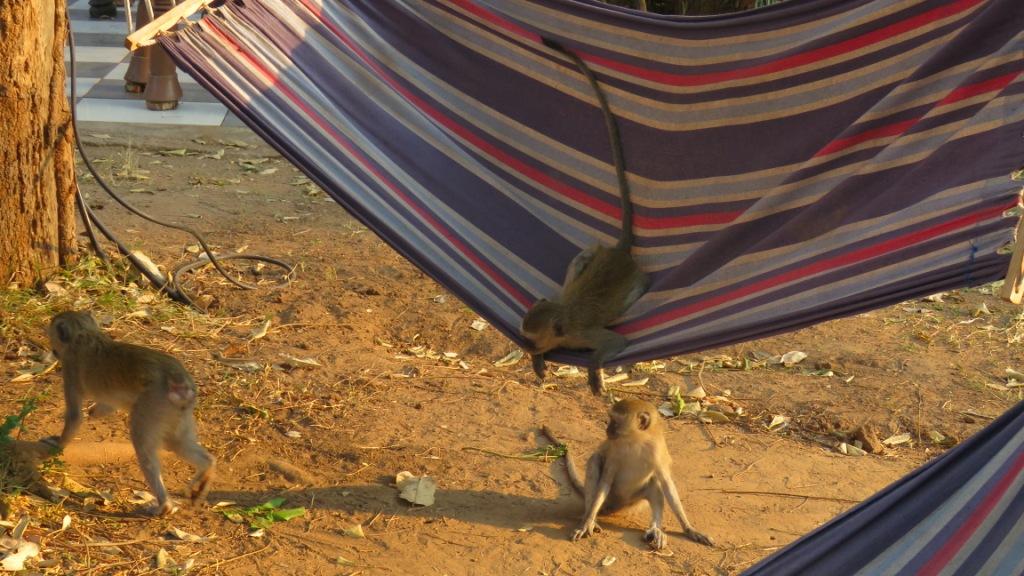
{"x":63,"y":333}
{"x":558,"y":328}
{"x":644,"y":420}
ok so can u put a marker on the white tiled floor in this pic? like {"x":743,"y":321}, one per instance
{"x":135,"y":112}
{"x":117,"y":73}
{"x":82,"y":86}
{"x":101,"y":26}
{"x":110,"y":61}
{"x":96,"y":53}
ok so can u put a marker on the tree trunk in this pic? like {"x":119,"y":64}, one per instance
{"x":37,"y":214}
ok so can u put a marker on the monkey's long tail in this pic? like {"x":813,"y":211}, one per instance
{"x":626,"y":239}
{"x":570,"y":466}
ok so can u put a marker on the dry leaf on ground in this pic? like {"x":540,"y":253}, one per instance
{"x":416,"y":489}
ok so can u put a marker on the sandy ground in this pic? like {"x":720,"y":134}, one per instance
{"x":384,"y":398}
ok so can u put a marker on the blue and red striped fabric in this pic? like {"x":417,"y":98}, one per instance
{"x":960,"y":514}
{"x":791,"y":164}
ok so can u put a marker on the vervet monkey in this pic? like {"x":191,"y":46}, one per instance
{"x":601,"y":282}
{"x":20,"y":461}
{"x":153,"y":386}
{"x":631,"y":465}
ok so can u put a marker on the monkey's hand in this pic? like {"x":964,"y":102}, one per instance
{"x":698,"y":537}
{"x":101,"y":410}
{"x":586,"y":530}
{"x":655,"y":538}
{"x":53,"y":442}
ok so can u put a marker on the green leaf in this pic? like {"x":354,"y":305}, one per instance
{"x":12,"y":422}
{"x":263,"y":515}
{"x":286,"y":514}
{"x":271,"y":504}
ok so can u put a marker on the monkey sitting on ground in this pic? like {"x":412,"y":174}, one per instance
{"x":631,"y":465}
{"x":601,"y":282}
{"x":152,"y":385}
{"x":19,"y":468}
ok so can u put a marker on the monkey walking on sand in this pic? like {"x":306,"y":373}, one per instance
{"x":152,"y":385}
{"x":631,"y":465}
{"x":601,"y":282}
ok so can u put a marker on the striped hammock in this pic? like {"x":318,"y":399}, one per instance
{"x":960,"y":514}
{"x":789,"y":165}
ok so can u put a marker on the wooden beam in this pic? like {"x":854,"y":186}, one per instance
{"x":1013,"y":286}
{"x":146,"y":35}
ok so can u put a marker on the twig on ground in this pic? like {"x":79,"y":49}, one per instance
{"x":781,"y":494}
{"x":543,"y":454}
{"x":232,"y":559}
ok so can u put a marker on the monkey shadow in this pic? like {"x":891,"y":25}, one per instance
{"x":555,"y":519}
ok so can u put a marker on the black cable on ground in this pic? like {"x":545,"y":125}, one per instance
{"x":87,"y":214}
{"x":170,"y":285}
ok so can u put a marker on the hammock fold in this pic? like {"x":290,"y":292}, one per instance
{"x":789,"y":165}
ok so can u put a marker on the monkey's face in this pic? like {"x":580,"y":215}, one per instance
{"x":65,"y":326}
{"x":613,"y":428}
{"x":630,"y":417}
{"x":542,"y":327}
{"x":541,"y":341}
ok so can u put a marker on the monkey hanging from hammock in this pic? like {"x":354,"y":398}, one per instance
{"x":601,"y":282}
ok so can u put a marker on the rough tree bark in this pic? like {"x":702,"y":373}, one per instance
{"x":37,"y":217}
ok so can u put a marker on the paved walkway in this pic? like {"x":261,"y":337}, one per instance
{"x":102,"y":61}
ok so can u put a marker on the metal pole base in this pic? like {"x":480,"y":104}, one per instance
{"x":137,"y":76}
{"x":163,"y":92}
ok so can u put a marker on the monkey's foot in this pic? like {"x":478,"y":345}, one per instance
{"x":198,"y":488}
{"x":698,"y":537}
{"x":540,"y":368}
{"x":586,"y":530}
{"x":655,"y":538}
{"x":595,"y":378}
{"x":164,"y":509}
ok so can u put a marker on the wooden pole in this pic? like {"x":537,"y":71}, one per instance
{"x":146,"y":36}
